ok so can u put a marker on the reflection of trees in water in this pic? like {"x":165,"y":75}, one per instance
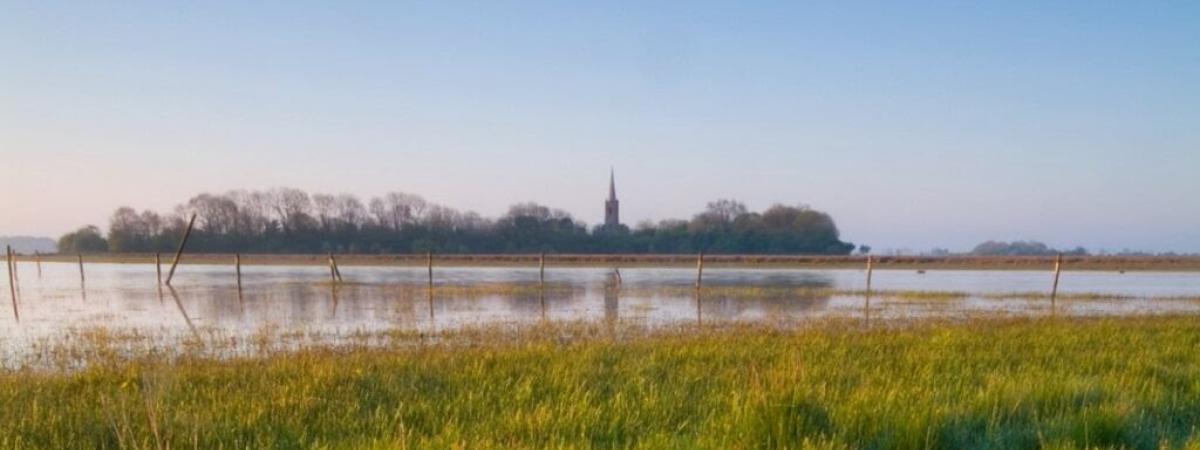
{"x":716,"y":305}
{"x":788,"y":302}
{"x":717,"y":277}
{"x":306,"y":304}
{"x":530,"y":302}
{"x":523,"y":303}
{"x":291,"y":304}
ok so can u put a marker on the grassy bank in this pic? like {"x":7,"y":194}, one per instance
{"x":1132,"y":382}
{"x":1100,"y":263}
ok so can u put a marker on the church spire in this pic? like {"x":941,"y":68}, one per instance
{"x":612,"y":185}
{"x":612,"y":208}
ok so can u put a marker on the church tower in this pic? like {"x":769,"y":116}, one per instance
{"x":612,"y":207}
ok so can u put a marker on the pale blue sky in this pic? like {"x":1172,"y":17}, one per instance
{"x":940,"y":124}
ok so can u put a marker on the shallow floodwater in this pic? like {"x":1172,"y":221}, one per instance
{"x":205,"y":298}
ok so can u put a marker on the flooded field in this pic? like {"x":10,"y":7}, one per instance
{"x":300,"y":299}
{"x":291,"y":361}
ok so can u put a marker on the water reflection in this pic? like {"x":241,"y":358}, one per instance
{"x":128,"y":296}
{"x":183,"y":312}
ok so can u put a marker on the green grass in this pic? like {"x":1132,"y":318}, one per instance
{"x":983,"y":383}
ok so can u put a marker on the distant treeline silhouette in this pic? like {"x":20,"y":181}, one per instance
{"x":1022,"y":248}
{"x":285,"y":220}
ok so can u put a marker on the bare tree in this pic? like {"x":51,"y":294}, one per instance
{"x":217,"y":214}
{"x":325,"y":207}
{"x":349,"y":210}
{"x":291,"y":207}
{"x":396,"y":209}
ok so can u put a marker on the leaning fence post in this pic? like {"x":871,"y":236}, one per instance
{"x":179,"y":252}
{"x":12,"y":288}
{"x":336,"y":270}
{"x":332,"y":270}
{"x":1058,"y":260}
{"x":699,"y":270}
{"x":158,"y":267}
{"x":16,"y":273}
{"x":82,"y":279}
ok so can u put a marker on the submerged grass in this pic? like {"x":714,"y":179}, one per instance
{"x":983,"y":383}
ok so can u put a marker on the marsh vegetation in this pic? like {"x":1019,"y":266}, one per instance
{"x":1000,"y":383}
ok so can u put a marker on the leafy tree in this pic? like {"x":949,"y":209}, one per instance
{"x":1021,"y":248}
{"x":83,"y":240}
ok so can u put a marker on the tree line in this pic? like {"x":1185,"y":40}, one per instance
{"x":1023,"y":248}
{"x":287,"y":220}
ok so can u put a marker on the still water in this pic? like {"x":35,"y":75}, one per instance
{"x":205,"y":297}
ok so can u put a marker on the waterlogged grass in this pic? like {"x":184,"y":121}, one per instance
{"x":982,"y":383}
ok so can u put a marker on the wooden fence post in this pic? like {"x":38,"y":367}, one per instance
{"x":870,"y":269}
{"x":82,"y":279}
{"x":699,"y":270}
{"x":429,"y":265}
{"x":1058,"y":260}
{"x":38,"y":256}
{"x":12,"y":288}
{"x":15,"y":272}
{"x":158,"y":267}
{"x":542,"y":272}
{"x":237,"y":263}
{"x":332,"y":270}
{"x":179,"y":252}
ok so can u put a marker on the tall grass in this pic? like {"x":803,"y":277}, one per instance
{"x":987,"y":383}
